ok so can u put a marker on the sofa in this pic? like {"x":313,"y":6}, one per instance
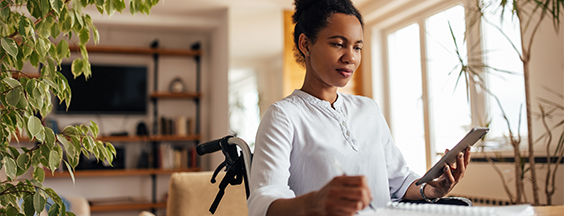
{"x":192,"y":193}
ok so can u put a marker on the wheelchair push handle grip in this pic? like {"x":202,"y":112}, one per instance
{"x":208,"y":147}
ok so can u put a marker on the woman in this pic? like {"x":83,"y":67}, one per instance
{"x":307,"y":140}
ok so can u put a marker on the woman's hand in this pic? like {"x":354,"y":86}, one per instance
{"x":450,"y":177}
{"x":343,"y":195}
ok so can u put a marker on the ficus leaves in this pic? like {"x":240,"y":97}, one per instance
{"x":41,"y":32}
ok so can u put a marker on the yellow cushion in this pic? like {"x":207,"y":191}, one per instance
{"x":192,"y":193}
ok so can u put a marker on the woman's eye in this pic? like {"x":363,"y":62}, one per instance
{"x":358,"y":48}
{"x":338,"y":45}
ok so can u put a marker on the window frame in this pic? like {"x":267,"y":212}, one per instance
{"x":379,"y":35}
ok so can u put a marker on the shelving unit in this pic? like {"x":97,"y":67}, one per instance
{"x":155,"y":138}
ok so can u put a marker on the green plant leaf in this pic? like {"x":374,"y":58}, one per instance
{"x":133,"y":8}
{"x":11,"y":82}
{"x":55,"y":210}
{"x":55,"y":30}
{"x":77,"y":67}
{"x":34,"y":126}
{"x":23,"y":161}
{"x":63,"y":49}
{"x":34,"y":59}
{"x":14,"y":152}
{"x":70,"y":172}
{"x":89,"y":144}
{"x":29,"y":209}
{"x":13,"y":96}
{"x":69,"y":147}
{"x":38,"y":202}
{"x":5,"y":10}
{"x":35,"y":159}
{"x":11,"y":167}
{"x":22,"y":104}
{"x":54,"y":160}
{"x":78,"y":18}
{"x":57,"y":5}
{"x":27,"y":49}
{"x":84,"y":35}
{"x":65,"y":21}
{"x":24,"y":26}
{"x":70,"y":214}
{"x":45,"y":7}
{"x":10,"y":46}
{"x":42,"y":47}
{"x":11,"y":210}
{"x":110,"y":7}
{"x":39,"y":174}
{"x":44,"y":29}
{"x":94,"y":128}
{"x":49,"y":137}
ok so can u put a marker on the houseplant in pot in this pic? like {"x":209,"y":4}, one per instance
{"x":38,"y":33}
{"x":530,"y":14}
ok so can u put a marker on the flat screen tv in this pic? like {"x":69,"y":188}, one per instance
{"x":112,"y":89}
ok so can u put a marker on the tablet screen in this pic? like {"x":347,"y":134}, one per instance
{"x":450,"y":157}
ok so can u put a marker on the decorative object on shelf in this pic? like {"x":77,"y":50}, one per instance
{"x":142,"y":129}
{"x":177,"y":86}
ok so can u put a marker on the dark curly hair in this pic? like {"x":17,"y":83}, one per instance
{"x":313,"y":15}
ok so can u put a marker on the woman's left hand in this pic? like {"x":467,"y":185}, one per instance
{"x":450,"y":177}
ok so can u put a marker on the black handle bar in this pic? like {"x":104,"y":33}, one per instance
{"x":209,"y":147}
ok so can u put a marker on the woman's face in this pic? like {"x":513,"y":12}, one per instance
{"x":335,"y":55}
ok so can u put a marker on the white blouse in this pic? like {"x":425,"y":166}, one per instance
{"x":301,"y":136}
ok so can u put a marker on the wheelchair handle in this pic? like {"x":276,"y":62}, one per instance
{"x":209,"y":147}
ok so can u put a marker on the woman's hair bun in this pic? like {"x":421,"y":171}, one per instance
{"x":301,"y":6}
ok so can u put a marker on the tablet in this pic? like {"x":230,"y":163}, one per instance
{"x":450,"y":157}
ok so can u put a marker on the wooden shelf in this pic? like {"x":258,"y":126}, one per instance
{"x":118,"y":172}
{"x":127,"y":206}
{"x":191,"y":95}
{"x":138,"y":50}
{"x":156,"y":138}
{"x":29,"y":75}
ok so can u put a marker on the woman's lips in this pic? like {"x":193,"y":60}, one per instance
{"x":345,"y":72}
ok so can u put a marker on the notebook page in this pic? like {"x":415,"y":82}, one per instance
{"x":408,"y":209}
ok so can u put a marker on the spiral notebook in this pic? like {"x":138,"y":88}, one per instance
{"x":409,"y":209}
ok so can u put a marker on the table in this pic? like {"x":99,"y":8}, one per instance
{"x":549,"y":210}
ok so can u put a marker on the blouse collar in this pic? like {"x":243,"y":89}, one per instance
{"x":314,"y":100}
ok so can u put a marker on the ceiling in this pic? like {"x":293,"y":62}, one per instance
{"x":255,"y":26}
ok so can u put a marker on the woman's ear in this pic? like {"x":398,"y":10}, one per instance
{"x":303,"y":43}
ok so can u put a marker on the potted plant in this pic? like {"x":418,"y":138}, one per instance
{"x":530,"y":14}
{"x":38,"y":32}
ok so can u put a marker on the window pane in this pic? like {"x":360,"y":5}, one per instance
{"x":406,"y":107}
{"x":509,"y":88}
{"x":243,"y":104}
{"x":448,"y":101}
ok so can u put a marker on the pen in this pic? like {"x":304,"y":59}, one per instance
{"x":341,"y":171}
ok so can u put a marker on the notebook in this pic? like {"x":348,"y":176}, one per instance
{"x":409,"y":209}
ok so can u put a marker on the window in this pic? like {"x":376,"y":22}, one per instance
{"x":405,"y":95}
{"x":431,"y":102}
{"x":243,"y":105}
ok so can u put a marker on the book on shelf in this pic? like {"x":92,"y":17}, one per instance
{"x":177,"y":157}
{"x":180,"y":126}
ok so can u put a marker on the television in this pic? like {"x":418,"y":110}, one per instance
{"x":112,"y":89}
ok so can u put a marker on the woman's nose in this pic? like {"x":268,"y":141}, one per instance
{"x":348,"y":57}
